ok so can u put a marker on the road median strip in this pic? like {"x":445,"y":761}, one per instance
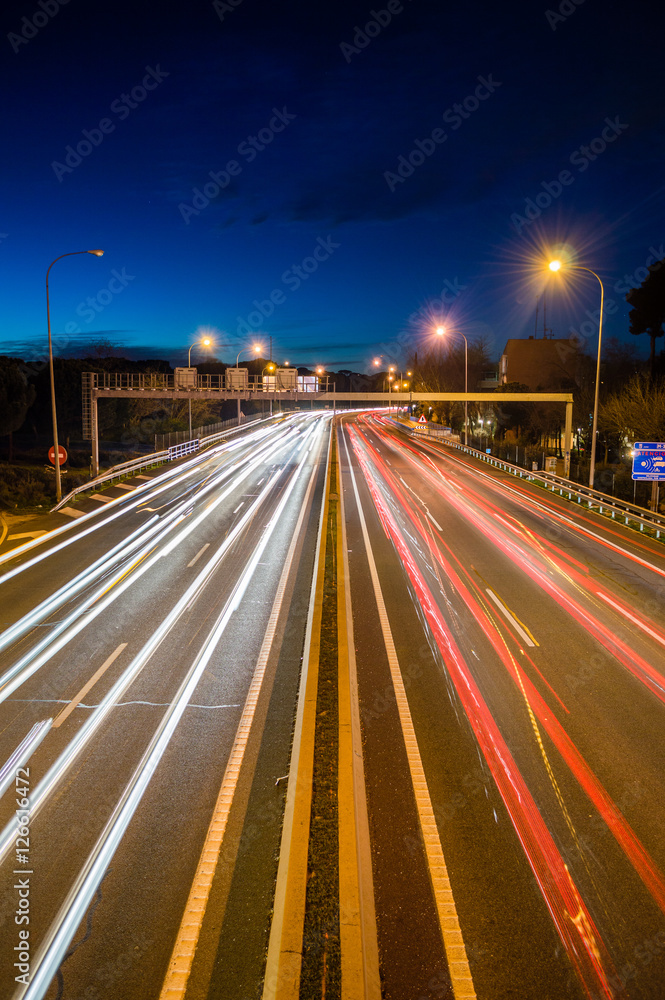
{"x":323,"y":936}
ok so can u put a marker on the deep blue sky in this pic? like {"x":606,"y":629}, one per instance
{"x":322,"y":178}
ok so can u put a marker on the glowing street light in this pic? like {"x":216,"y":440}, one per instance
{"x":556,"y":265}
{"x":268,"y":368}
{"x":204,"y":342}
{"x":56,"y":450}
{"x":441,"y":330}
{"x":257,"y":348}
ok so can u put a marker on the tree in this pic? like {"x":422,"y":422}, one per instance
{"x":636,"y":412}
{"x":16,"y":398}
{"x":511,"y":416}
{"x":648,"y":312}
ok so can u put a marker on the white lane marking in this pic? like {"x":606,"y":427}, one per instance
{"x":434,"y":521}
{"x":71,"y":511}
{"x":125,"y":486}
{"x":182,"y":956}
{"x":458,"y":963}
{"x":623,"y":611}
{"x":198,"y":555}
{"x":65,"y":593}
{"x":506,"y":613}
{"x":63,"y":701}
{"x":525,"y":500}
{"x":57,"y":939}
{"x":86,"y":687}
{"x":144,"y":477}
{"x":55,"y":773}
{"x":23,"y":753}
{"x":238,"y":507}
{"x":102,"y":497}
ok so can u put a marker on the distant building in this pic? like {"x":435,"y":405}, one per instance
{"x":488,"y":380}
{"x":539,"y":364}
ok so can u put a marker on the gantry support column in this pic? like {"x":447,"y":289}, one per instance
{"x":567,"y":440}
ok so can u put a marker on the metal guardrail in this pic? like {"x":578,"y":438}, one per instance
{"x":602,"y":503}
{"x":157,"y":381}
{"x":156,"y":458}
{"x":186,"y":448}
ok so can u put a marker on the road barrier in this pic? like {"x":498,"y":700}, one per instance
{"x":155,"y":458}
{"x":601,"y":503}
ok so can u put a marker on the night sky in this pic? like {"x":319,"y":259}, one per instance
{"x":372,"y":181}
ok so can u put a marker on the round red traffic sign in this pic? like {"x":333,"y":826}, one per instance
{"x":62,"y":455}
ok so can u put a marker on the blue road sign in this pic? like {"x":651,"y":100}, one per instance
{"x":649,"y":461}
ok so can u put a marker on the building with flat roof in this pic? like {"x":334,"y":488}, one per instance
{"x":539,"y":363}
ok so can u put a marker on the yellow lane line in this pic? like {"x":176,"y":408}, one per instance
{"x":68,"y":709}
{"x":284,"y":962}
{"x":458,"y":963}
{"x":182,"y":956}
{"x":5,"y":528}
{"x":359,"y":946}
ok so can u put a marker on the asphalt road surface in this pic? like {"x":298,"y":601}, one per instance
{"x":510,"y":652}
{"x":531,"y":644}
{"x":138,"y":630}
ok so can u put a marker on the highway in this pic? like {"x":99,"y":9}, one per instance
{"x":528,"y":641}
{"x":141,"y":631}
{"x":469,"y":671}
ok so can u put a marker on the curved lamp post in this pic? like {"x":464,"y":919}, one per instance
{"x":269,"y":368}
{"x":556,"y":265}
{"x":58,"y":488}
{"x":205,"y":342}
{"x":257,"y":348}
{"x":441,"y":330}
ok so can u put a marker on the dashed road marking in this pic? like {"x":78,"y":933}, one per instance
{"x":60,"y":718}
{"x":458,"y":963}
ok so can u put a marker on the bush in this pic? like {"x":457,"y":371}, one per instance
{"x":26,"y":487}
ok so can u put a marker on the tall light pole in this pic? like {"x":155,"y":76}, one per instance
{"x":58,"y":488}
{"x":205,"y":342}
{"x":269,"y":368}
{"x":441,"y":330}
{"x":555,"y":265}
{"x":257,"y":348}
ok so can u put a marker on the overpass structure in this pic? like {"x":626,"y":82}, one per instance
{"x":114,"y":385}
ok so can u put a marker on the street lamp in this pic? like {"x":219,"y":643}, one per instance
{"x":441,"y":330}
{"x":268,"y":368}
{"x":555,"y":265}
{"x":205,"y":342}
{"x":58,"y":488}
{"x":257,"y":348}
